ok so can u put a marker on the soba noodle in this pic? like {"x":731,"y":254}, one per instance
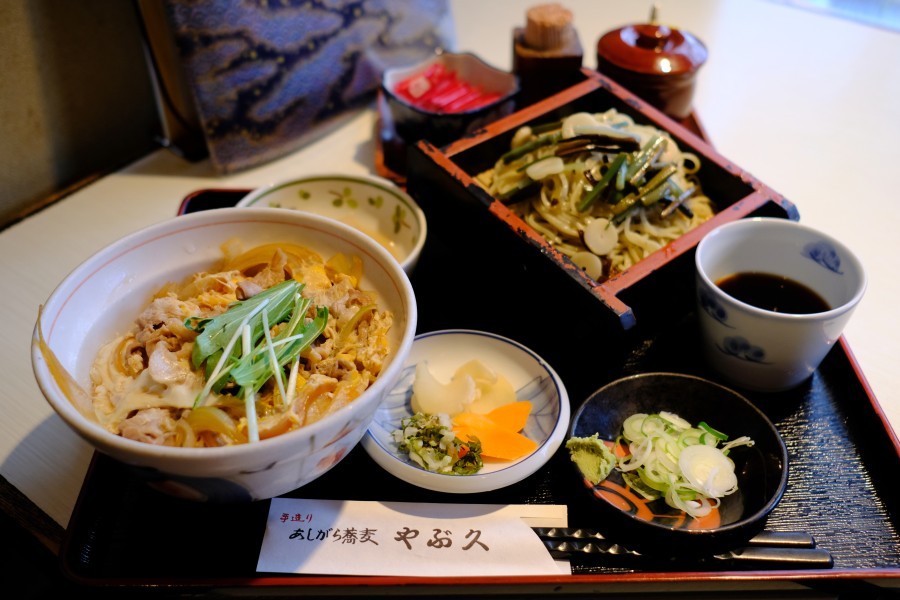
{"x":576,"y":155}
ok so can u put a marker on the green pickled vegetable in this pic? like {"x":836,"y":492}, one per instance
{"x":430,"y":443}
{"x":644,"y":159}
{"x":611,"y":172}
{"x":538,"y":142}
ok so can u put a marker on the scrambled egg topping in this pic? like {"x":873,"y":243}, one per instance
{"x":145,"y":386}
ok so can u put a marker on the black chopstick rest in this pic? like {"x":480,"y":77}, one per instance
{"x":768,"y":549}
{"x":778,"y":557}
{"x":783,"y":539}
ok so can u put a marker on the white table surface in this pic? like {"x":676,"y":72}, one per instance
{"x":808,"y":103}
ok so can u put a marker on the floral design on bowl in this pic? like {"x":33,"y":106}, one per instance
{"x":373,"y":205}
{"x":345,"y":198}
{"x":824,"y":254}
{"x":739,"y":347}
{"x":713,"y":308}
{"x":541,"y":392}
{"x":193,"y":488}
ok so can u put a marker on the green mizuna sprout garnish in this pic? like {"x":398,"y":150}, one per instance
{"x":240,"y":350}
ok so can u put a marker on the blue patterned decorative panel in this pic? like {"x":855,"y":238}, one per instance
{"x":265,"y":73}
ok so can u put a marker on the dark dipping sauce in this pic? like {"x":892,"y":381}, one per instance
{"x":774,"y":293}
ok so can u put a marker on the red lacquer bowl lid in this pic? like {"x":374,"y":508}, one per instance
{"x":652,"y":49}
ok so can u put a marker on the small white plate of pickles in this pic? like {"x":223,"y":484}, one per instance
{"x":443,"y":355}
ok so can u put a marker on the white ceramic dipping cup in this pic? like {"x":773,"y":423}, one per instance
{"x":764,"y":350}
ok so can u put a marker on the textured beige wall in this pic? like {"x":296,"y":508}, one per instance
{"x":75,"y":96}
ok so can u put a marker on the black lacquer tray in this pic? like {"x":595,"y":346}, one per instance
{"x":842,"y":489}
{"x":843,"y":456}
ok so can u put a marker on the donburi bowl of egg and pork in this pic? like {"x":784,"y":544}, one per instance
{"x":227,"y":355}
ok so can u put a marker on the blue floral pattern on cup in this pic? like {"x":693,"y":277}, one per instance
{"x":824,"y":254}
{"x":713,"y":308}
{"x":739,"y":347}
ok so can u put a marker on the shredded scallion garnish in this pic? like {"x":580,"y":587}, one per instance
{"x":671,"y":459}
{"x":667,"y":457}
{"x":261,"y":356}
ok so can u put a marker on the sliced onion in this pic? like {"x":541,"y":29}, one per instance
{"x":708,"y":470}
{"x":680,"y":463}
{"x":639,"y":453}
{"x":675,"y":419}
{"x":601,"y":236}
{"x":587,"y":124}
{"x":590,"y":263}
{"x":631,"y":428}
{"x":580,"y":119}
{"x":545,"y":167}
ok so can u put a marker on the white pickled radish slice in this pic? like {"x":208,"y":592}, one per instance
{"x":482,"y":374}
{"x":590,"y":263}
{"x":545,"y":168}
{"x":492,"y":390}
{"x":500,"y":393}
{"x":601,"y":236}
{"x":432,"y":397}
{"x":581,"y":119}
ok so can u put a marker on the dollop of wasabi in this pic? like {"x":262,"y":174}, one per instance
{"x":592,"y":456}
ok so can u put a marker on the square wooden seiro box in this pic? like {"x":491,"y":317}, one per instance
{"x":487,"y":232}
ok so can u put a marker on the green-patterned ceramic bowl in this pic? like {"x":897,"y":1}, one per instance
{"x":375,"y":206}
